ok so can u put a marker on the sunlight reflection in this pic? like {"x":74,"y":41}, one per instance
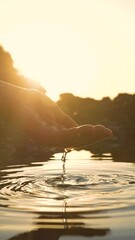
{"x":92,"y":193}
{"x":74,"y":155}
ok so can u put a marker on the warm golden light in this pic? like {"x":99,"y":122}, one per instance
{"x":52,"y":54}
{"x":83,"y":47}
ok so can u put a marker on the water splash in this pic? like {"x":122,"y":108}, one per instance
{"x":63,"y":159}
{"x":72,"y":194}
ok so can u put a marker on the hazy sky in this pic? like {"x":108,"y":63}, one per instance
{"x":86,"y":47}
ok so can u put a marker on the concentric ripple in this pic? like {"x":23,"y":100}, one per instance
{"x":87,"y":185}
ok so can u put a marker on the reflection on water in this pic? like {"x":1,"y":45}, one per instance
{"x":82,"y":197}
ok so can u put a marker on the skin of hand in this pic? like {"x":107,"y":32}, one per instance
{"x":41,"y":119}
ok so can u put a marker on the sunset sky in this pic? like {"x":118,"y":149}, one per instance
{"x":86,"y":47}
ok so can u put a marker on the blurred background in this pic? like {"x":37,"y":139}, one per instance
{"x":83,"y":54}
{"x":82,"y":47}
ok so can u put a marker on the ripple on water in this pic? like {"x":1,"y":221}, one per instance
{"x":100,"y":186}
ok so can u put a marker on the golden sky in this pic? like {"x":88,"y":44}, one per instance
{"x":86,"y":47}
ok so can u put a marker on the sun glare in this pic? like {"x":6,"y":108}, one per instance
{"x":53,"y":55}
{"x":82,"y":47}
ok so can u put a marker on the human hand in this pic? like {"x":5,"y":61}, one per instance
{"x":53,"y":127}
{"x":41,"y":119}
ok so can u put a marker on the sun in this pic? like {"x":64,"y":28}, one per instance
{"x":52,"y":54}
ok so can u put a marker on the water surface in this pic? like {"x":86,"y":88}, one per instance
{"x":87,"y":198}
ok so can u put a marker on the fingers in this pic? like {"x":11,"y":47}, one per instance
{"x":81,"y":136}
{"x":52,"y":115}
{"x":50,"y":135}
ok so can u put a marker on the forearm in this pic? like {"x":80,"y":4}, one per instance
{"x":9,"y":91}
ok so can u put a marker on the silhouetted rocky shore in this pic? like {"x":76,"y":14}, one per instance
{"x":117,"y":114}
